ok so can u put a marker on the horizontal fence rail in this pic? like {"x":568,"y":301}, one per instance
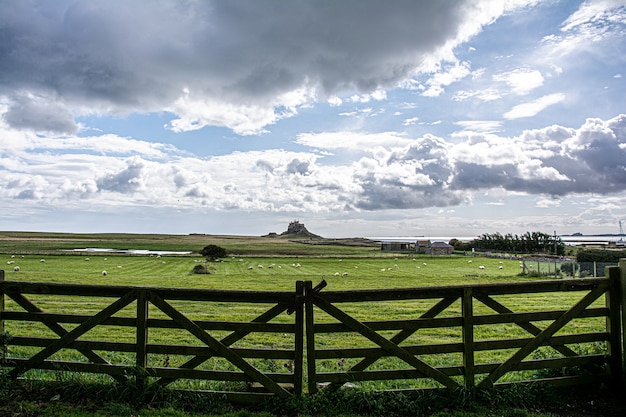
{"x":249,"y":345}
{"x":132,"y":329}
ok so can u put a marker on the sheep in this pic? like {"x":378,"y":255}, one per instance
{"x":298,"y":265}
{"x":12,"y":256}
{"x":104,"y":273}
{"x":500,"y":267}
{"x":481,"y":267}
{"x":271,"y":265}
{"x":42,"y":260}
{"x":424,"y":264}
{"x":250,"y":267}
{"x":382,"y":270}
{"x":10,"y":262}
{"x":16,"y":269}
{"x":345,"y":274}
{"x":260,"y":266}
{"x":469,"y":262}
{"x":87,"y":259}
{"x":336,"y":274}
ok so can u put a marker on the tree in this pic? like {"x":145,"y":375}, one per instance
{"x":213,"y":252}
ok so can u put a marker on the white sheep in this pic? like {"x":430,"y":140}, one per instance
{"x":10,"y":262}
{"x":336,"y":274}
{"x":424,"y":264}
{"x":250,"y":267}
{"x":260,"y":266}
{"x":345,"y":274}
{"x":104,"y":273}
{"x":16,"y":269}
{"x":469,"y":262}
{"x":481,"y":267}
{"x":42,"y":260}
{"x":500,"y":267}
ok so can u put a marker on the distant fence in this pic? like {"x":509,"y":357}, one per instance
{"x":290,"y":343}
{"x":564,"y":268}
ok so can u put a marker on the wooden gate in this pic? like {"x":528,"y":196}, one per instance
{"x":462,"y":310}
{"x":440,"y":337}
{"x":157,"y":362}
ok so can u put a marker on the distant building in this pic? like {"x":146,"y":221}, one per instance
{"x":296,"y":227}
{"x":439,"y":248}
{"x":397,"y":246}
{"x":433,"y":248}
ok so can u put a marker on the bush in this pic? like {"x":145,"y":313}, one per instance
{"x":213,"y":252}
{"x":200,"y":269}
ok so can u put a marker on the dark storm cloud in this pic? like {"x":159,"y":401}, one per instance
{"x":27,"y":113}
{"x":591,"y":159}
{"x":120,"y":56}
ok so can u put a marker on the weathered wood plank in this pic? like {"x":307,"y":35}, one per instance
{"x":613,"y":325}
{"x":589,"y":298}
{"x":217,"y":346}
{"x":384,"y":343}
{"x":467,"y":309}
{"x":310,"y":340}
{"x":55,"y":327}
{"x":435,"y":310}
{"x":228,"y":340}
{"x":72,"y":335}
{"x":412,"y":325}
{"x":526,"y":325}
{"x":298,"y":358}
{"x":188,"y":294}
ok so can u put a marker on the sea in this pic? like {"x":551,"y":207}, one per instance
{"x":572,"y":240}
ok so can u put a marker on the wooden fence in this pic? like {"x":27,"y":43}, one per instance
{"x":281,"y":342}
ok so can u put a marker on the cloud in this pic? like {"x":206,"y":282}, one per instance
{"x":522,"y":80}
{"x":243,"y":65}
{"x":386,"y":171}
{"x":39,"y":114}
{"x":534,"y":107}
{"x":124,"y":181}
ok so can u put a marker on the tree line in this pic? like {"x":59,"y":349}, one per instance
{"x":529,"y":242}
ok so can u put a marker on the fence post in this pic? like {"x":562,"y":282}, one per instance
{"x":622,"y":303}
{"x":467,"y":311}
{"x":141,"y":361}
{"x":310,"y":339}
{"x":613,"y":325}
{"x":1,"y":303}
{"x":299,"y":341}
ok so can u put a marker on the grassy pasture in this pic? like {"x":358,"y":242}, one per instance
{"x":261,"y":264}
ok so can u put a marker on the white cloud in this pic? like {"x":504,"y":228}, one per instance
{"x":522,"y":81}
{"x":352,"y":140}
{"x":534,"y":107}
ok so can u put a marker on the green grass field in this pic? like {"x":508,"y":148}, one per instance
{"x":258,"y":264}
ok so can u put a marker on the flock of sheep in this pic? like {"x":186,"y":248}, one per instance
{"x":16,"y":268}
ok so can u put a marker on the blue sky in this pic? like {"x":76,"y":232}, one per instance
{"x":358,"y":118}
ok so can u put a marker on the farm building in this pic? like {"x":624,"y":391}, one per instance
{"x":434,"y":248}
{"x":421,"y":246}
{"x":397,"y":246}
